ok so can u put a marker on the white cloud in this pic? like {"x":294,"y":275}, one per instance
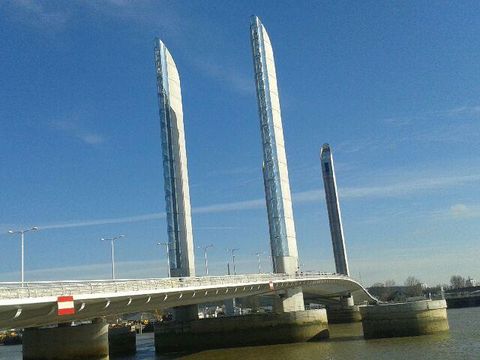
{"x":72,"y":129}
{"x":124,"y":269}
{"x":472,"y":110}
{"x":308,"y":196}
{"x":457,"y":211}
{"x":409,"y":186}
{"x":456,"y":126}
{"x":233,"y":206}
{"x":57,"y":15}
{"x":135,"y":269}
{"x":119,"y":220}
{"x":315,"y":195}
{"x":461,"y":211}
{"x":427,"y":115}
{"x":218,"y":228}
{"x":160,"y":16}
{"x":241,"y":83}
{"x":92,"y":139}
{"x":38,"y":14}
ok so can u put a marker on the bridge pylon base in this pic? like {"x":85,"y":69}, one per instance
{"x":186,"y":313}
{"x":89,"y":341}
{"x":404,"y":319}
{"x":244,"y":330}
{"x":343,"y":315}
{"x":122,"y":341}
{"x":343,"y":312}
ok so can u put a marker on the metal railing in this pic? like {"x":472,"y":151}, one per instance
{"x":37,"y":289}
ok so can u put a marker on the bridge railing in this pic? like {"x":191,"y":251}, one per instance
{"x":15,"y":290}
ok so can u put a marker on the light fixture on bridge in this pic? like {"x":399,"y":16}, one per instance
{"x":258,"y":254}
{"x":205,"y":258}
{"x":232,"y":252}
{"x":112,"y":245}
{"x":22,"y":238}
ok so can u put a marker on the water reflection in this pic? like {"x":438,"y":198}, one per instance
{"x":346,"y":342}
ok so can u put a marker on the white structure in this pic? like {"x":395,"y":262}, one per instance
{"x":177,"y":194}
{"x":333,"y":207}
{"x":37,"y":303}
{"x":275,"y":172}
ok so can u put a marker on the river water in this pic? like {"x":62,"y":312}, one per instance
{"x":346,"y":342}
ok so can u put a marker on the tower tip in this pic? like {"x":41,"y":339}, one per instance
{"x":254,"y":20}
{"x":158,"y":42}
{"x":325,"y":150}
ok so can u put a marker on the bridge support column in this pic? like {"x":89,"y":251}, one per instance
{"x":291,"y":300}
{"x":346,"y":301}
{"x":88,"y":341}
{"x":122,"y":341}
{"x":230,"y":307}
{"x":252,"y":302}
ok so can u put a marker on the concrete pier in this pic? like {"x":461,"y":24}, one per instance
{"x":252,"y":302}
{"x":229,"y":307}
{"x":89,"y":341}
{"x":185,"y":313}
{"x":290,"y":300}
{"x":122,"y":341}
{"x":246,"y":330}
{"x":343,"y":315}
{"x":343,"y":312}
{"x":404,"y":319}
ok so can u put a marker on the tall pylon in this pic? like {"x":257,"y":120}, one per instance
{"x":283,"y":240}
{"x":175,"y":172}
{"x":333,"y":208}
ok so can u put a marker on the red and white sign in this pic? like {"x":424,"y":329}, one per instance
{"x":65,"y":305}
{"x":271,"y":285}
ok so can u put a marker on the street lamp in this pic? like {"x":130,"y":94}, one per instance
{"x":232,"y":251}
{"x":168,"y":256}
{"x":112,"y":241}
{"x":22,"y":237}
{"x":270,"y":257}
{"x":258,"y":260}
{"x":205,"y":256}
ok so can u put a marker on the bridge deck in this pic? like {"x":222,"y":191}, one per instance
{"x":35,"y":304}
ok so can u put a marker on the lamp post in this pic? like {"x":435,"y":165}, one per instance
{"x":232,"y":252}
{"x":270,"y":257}
{"x":167,"y":250}
{"x":205,"y":256}
{"x":22,"y":238}
{"x":259,"y":262}
{"x":112,"y":244}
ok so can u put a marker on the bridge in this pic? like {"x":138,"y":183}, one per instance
{"x":36,"y":303}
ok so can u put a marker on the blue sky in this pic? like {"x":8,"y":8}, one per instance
{"x":393,"y":87}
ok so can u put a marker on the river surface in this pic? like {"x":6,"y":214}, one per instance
{"x":346,"y":342}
